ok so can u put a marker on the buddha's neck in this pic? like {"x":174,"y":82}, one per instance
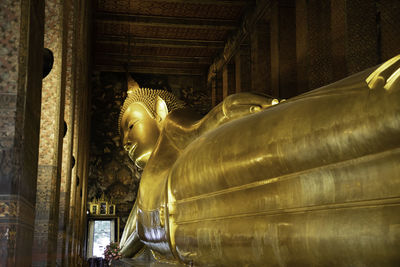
{"x":175,"y":135}
{"x":180,"y":128}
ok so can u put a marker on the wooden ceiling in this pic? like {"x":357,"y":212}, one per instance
{"x":179,"y":37}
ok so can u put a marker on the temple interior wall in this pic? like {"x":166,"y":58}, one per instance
{"x":297,"y":46}
{"x":47,"y":178}
{"x":36,"y":158}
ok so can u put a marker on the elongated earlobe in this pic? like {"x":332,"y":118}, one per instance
{"x":161,"y":109}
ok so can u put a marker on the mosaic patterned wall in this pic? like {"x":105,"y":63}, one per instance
{"x":110,"y":169}
{"x":20,"y":88}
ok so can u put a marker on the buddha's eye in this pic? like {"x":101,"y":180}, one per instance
{"x":132,"y":124}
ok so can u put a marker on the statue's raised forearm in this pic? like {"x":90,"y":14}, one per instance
{"x":130,"y":242}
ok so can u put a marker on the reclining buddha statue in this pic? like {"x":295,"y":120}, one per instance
{"x":310,"y":181}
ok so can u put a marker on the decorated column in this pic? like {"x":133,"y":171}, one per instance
{"x":261,"y":57}
{"x":216,"y":89}
{"x":283,"y":49}
{"x":313,"y":44}
{"x":51,"y":135}
{"x":21,"y":57}
{"x":228,"y":80}
{"x":242,"y":69}
{"x":67,"y":159}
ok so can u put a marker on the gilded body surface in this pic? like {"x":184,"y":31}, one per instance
{"x":311,"y":181}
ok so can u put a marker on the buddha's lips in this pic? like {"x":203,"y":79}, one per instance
{"x":131,"y":151}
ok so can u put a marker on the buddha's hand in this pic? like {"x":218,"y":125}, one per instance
{"x":241,"y":104}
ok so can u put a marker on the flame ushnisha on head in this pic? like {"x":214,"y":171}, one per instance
{"x":132,"y":84}
{"x":148,"y":97}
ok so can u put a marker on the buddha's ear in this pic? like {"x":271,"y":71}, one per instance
{"x":161,"y":109}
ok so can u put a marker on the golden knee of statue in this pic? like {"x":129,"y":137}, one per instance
{"x":311,"y":181}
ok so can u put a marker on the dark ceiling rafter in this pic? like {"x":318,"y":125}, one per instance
{"x":139,"y":42}
{"x":178,"y":37}
{"x":208,"y":2}
{"x":156,"y":59}
{"x":176,"y":22}
{"x":159,"y":42}
{"x":150,"y":70}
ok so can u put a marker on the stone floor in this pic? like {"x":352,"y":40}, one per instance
{"x":141,"y":263}
{"x":146,"y":259}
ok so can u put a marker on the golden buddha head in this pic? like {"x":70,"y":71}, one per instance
{"x":140,"y":120}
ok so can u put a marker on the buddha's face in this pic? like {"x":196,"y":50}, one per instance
{"x":140,"y":133}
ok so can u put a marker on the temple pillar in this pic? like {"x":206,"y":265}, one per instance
{"x":70,"y":242}
{"x":228,"y":80}
{"x":301,"y":46}
{"x":319,"y":45}
{"x":21,"y":57}
{"x":67,"y":160}
{"x":74,"y":210}
{"x":78,"y":198}
{"x":216,"y":89}
{"x":388,"y":29}
{"x":242,"y":69}
{"x":83,"y":190}
{"x":80,"y":150}
{"x":213,"y":93}
{"x":76,"y":171}
{"x":261,"y":58}
{"x":283,"y":49}
{"x":313,"y":46}
{"x":353,"y":23}
{"x":82,"y":170}
{"x":51,"y":138}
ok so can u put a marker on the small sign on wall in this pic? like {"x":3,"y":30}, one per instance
{"x":101,"y":206}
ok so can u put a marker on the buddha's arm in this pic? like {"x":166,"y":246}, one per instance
{"x":130,"y":242}
{"x":234,"y":107}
